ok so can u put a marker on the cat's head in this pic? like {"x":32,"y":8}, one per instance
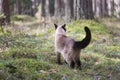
{"x":60,"y":28}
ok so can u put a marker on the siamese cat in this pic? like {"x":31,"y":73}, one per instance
{"x":69,"y":48}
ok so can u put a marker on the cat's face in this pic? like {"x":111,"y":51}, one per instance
{"x":60,"y":28}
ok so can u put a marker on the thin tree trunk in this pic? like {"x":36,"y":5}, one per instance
{"x":117,"y":8}
{"x":43,"y":8}
{"x":34,"y":7}
{"x":67,"y":11}
{"x":1,"y":11}
{"x":78,"y":9}
{"x":75,"y":9}
{"x":90,"y":10}
{"x":6,"y":10}
{"x":57,"y":9}
{"x":72,"y":8}
{"x":62,"y":7}
{"x":105,"y":9}
{"x":94,"y":6}
{"x":17,"y":7}
{"x":51,"y":7}
{"x":98,"y":8}
{"x":47,"y":9}
{"x":110,"y":4}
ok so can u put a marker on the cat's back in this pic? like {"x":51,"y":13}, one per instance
{"x":63,"y":41}
{"x":60,"y":40}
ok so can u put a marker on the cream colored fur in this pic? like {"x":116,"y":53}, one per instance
{"x":67,"y":47}
{"x":64,"y":46}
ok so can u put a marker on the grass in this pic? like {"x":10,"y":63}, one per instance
{"x":30,"y":54}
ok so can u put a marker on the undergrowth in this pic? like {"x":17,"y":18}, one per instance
{"x":30,"y":54}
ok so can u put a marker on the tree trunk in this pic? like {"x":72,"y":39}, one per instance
{"x":78,"y":9}
{"x":47,"y":9}
{"x":98,"y":12}
{"x":57,"y":8}
{"x":110,"y":4}
{"x":1,"y":11}
{"x":85,"y":9}
{"x":62,"y":7}
{"x":75,"y":9}
{"x":94,"y":6}
{"x":6,"y":10}
{"x":117,"y":8}
{"x":34,"y":5}
{"x":89,"y":9}
{"x":67,"y":11}
{"x":17,"y":7}
{"x":43,"y":8}
{"x":51,"y":7}
{"x":72,"y":8}
{"x":104,"y":8}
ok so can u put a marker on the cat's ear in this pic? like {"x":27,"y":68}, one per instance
{"x":64,"y":27}
{"x":55,"y":26}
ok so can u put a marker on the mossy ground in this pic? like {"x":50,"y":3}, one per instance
{"x":30,"y":54}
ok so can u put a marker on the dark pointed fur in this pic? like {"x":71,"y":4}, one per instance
{"x":55,"y":26}
{"x":64,"y":27}
{"x":82,"y":44}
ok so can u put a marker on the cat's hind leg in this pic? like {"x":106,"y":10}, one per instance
{"x":58,"y":57}
{"x":78,"y":62}
{"x":72,"y":64}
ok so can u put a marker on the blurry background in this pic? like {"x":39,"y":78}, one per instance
{"x":27,"y":39}
{"x":68,"y":10}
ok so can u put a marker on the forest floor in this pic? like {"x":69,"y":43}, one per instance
{"x":27,"y":51}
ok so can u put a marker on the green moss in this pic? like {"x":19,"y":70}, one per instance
{"x":32,"y":54}
{"x":21,"y":18}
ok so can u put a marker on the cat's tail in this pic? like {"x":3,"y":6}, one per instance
{"x":84,"y":43}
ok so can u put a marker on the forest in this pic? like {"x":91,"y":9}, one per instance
{"x":27,"y":39}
